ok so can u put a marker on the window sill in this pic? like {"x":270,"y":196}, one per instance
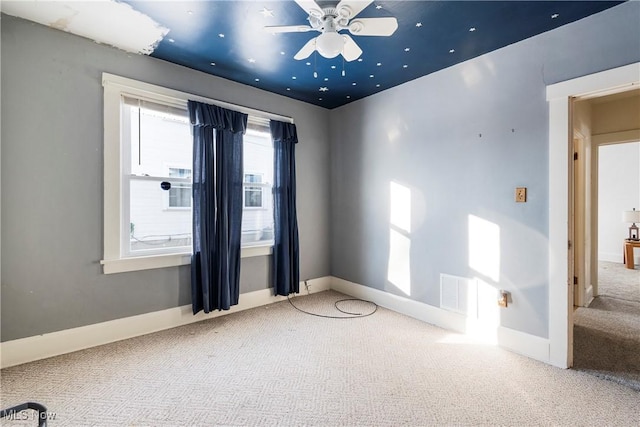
{"x":111,"y":266}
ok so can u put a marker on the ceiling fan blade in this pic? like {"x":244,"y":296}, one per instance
{"x":373,"y":26}
{"x":311,"y":7}
{"x":306,"y":50}
{"x":287,"y":29}
{"x":350,"y":8}
{"x":351,"y":50}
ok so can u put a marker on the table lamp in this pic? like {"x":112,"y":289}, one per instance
{"x":632,"y":217}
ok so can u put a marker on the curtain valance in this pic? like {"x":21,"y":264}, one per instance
{"x":284,"y":132}
{"x":202,"y":114}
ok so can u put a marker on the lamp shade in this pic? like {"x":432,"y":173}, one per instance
{"x":631,"y":216}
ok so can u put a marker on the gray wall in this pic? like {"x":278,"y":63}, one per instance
{"x":52,"y":157}
{"x":425,"y":135}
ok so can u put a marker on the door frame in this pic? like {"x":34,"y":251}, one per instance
{"x":559,"y":97}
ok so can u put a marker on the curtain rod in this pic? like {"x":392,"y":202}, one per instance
{"x":138,"y":87}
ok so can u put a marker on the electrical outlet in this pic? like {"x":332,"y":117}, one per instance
{"x":503,"y":300}
{"x":521,"y":194}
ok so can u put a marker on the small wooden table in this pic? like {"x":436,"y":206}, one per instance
{"x":627,"y":253}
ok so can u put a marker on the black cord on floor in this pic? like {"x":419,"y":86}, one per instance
{"x":351,"y":315}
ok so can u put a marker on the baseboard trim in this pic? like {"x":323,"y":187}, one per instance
{"x":519,"y":342}
{"x":23,"y":350}
{"x":615,"y":257}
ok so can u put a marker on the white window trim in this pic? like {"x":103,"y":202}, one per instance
{"x":114,"y":88}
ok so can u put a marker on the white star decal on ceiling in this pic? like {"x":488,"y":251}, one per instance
{"x":378,"y":7}
{"x":324,"y":89}
{"x":419,"y":24}
{"x":267,"y":13}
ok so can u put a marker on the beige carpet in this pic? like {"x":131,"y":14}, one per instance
{"x":276,"y":366}
{"x":607,"y":333}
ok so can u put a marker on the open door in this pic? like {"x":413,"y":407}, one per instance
{"x":582,"y":206}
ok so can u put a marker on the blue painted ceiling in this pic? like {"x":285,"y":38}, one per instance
{"x":227,"y":39}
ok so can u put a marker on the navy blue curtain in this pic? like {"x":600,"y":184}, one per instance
{"x":286,"y":250}
{"x":217,"y":206}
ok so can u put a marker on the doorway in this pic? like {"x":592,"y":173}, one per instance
{"x":606,"y":321}
{"x":561,"y":255}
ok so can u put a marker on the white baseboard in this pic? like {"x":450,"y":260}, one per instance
{"x":616,"y":257}
{"x":519,"y":342}
{"x":38,"y":347}
{"x":611,"y":256}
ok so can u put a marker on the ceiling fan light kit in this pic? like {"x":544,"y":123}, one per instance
{"x":330,"y":45}
{"x":329,"y":21}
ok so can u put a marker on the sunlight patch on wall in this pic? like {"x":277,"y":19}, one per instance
{"x":484,"y":326}
{"x":476,"y":301}
{"x":399,"y":267}
{"x":399,"y":263}
{"x":400,"y":206}
{"x":484,"y":247}
{"x":134,"y":32}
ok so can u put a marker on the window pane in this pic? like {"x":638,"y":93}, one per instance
{"x":180,"y":172}
{"x":152,"y":226}
{"x":180,"y":196}
{"x":257,"y":218}
{"x":161,"y":147}
{"x":253,"y":178}
{"x":161,"y":143}
{"x":253,"y":197}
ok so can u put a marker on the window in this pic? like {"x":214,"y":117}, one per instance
{"x":147,"y":178}
{"x":179,"y":193}
{"x":252,"y":192}
{"x":257,"y":217}
{"x":159,"y":220}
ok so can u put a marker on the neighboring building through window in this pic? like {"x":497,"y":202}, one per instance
{"x":180,"y":193}
{"x":252,"y":192}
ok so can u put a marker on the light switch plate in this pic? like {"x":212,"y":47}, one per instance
{"x":521,"y":194}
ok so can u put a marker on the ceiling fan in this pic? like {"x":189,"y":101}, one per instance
{"x":330,"y":20}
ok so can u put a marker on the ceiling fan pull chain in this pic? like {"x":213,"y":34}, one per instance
{"x":315,"y":64}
